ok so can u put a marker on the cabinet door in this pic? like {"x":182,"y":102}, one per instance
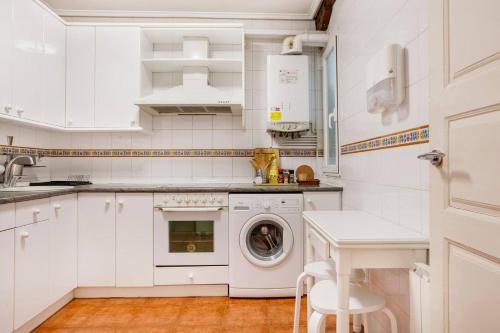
{"x":63,"y":246}
{"x":322,"y":200}
{"x":7,"y":280}
{"x":96,"y":239}
{"x":80,"y":71}
{"x":134,"y":240}
{"x":27,"y":59}
{"x":31,"y":271}
{"x":6,"y":47}
{"x":117,"y":76}
{"x":54,"y":70}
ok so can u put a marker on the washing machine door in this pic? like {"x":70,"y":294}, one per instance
{"x":266,"y":240}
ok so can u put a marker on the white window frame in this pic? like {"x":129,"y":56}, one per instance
{"x":330,"y":169}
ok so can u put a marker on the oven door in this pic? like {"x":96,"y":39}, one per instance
{"x":191,"y":236}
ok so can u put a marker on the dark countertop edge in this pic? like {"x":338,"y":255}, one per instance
{"x":12,"y":197}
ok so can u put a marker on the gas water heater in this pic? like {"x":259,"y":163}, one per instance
{"x":288,"y":93}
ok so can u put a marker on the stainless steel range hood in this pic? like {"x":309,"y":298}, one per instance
{"x":195,"y":95}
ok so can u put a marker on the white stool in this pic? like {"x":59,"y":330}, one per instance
{"x":323,"y":298}
{"x":322,"y":270}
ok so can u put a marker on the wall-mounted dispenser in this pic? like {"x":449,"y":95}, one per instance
{"x":385,"y":79}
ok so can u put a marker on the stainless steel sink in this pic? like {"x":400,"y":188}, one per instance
{"x":34,"y":188}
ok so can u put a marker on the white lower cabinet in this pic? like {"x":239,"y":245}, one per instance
{"x":322,"y":201}
{"x":63,"y":246}
{"x":31,"y":271}
{"x":7,"y":280}
{"x":96,"y":240}
{"x":134,"y":239}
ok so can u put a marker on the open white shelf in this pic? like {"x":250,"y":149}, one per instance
{"x":163,"y":65}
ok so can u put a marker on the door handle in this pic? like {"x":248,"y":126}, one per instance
{"x":435,"y":157}
{"x":190,"y":209}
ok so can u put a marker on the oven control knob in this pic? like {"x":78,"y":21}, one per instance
{"x":203,"y":200}
{"x":195,"y":200}
{"x":178,"y":200}
{"x":220,"y":201}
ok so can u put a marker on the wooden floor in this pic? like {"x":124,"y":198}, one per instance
{"x":177,"y":315}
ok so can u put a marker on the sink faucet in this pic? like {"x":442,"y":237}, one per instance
{"x":14,"y":168}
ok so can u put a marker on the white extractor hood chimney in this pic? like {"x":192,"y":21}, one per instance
{"x":195,"y":95}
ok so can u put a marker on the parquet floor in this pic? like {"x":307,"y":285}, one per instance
{"x":177,"y":315}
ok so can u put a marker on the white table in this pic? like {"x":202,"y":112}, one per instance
{"x":361,"y":240}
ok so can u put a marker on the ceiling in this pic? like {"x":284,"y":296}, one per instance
{"x":252,"y":9}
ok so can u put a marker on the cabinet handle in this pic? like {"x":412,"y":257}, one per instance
{"x":7,"y":108}
{"x":24,"y":234}
{"x":107,"y":202}
{"x":57,"y":206}
{"x":36,"y":211}
{"x":309,"y":201}
{"x":120,"y":202}
{"x":191,"y":276}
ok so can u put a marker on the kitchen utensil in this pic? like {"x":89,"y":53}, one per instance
{"x":304,"y":173}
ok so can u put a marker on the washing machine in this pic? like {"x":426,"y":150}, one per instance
{"x":265,"y":244}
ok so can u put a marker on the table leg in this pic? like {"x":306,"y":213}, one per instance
{"x":343,"y":278}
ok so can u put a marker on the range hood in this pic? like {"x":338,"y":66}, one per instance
{"x":195,"y":95}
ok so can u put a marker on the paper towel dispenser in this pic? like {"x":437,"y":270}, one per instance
{"x":385,"y":79}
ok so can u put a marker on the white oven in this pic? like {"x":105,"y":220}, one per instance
{"x":191,"y":229}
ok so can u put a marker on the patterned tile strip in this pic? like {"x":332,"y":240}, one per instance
{"x":412,"y":136}
{"x":152,"y":152}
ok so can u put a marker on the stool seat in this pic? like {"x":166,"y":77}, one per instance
{"x":323,"y":298}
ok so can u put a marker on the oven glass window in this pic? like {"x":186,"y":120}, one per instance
{"x":191,"y":236}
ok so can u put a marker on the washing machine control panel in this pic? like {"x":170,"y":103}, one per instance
{"x":278,"y":204}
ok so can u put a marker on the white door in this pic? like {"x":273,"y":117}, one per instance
{"x":96,"y":240}
{"x":54,"y":70}
{"x":27,"y":59}
{"x":134,"y":240}
{"x":191,"y":238}
{"x":117,"y":76}
{"x":80,"y":72}
{"x":330,"y":108}
{"x":7,"y":280}
{"x":63,"y":245}
{"x":465,"y":189}
{"x":31,"y":271}
{"x":6,"y":47}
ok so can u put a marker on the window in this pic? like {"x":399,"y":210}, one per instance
{"x":330,"y":108}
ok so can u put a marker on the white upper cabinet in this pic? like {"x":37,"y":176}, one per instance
{"x":7,"y":280}
{"x":63,"y":246}
{"x":117,"y":77}
{"x":27,"y":59}
{"x":6,"y":56}
{"x":80,"y":72}
{"x":54,"y":69}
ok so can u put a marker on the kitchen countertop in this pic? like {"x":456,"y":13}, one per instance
{"x":9,"y":197}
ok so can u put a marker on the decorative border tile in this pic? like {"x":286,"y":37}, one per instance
{"x":152,"y":152}
{"x":412,"y":136}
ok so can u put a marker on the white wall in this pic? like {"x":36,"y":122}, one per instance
{"x":390,"y":183}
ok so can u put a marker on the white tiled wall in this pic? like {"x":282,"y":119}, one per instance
{"x":389,"y":183}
